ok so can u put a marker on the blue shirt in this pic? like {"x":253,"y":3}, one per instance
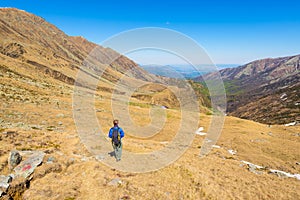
{"x":113,"y":128}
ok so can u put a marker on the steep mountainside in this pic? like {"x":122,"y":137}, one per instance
{"x":38,"y":45}
{"x":264,"y":90}
{"x":32,"y":47}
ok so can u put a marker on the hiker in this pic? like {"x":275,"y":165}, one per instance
{"x":116,"y":133}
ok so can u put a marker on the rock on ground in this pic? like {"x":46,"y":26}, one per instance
{"x":115,"y":182}
{"x":14,"y":159}
{"x":26,"y":167}
{"x":4,"y":182}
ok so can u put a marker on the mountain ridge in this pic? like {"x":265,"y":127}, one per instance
{"x":27,"y":37}
{"x":263,"y":81}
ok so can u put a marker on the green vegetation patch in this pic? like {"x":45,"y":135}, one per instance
{"x":142,"y":105}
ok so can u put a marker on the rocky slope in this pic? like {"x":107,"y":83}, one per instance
{"x":264,"y":90}
{"x":37,"y":45}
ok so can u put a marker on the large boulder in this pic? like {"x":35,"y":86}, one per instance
{"x":27,"y":167}
{"x":4,"y":183}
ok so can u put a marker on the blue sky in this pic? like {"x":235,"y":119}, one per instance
{"x":230,"y":31}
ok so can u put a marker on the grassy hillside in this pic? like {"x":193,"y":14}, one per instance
{"x":37,"y":115}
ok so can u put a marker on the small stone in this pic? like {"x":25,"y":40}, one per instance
{"x":60,"y":115}
{"x":115,"y":182}
{"x":297,"y":176}
{"x":280,"y":173}
{"x":125,"y":197}
{"x":5,"y":179}
{"x":232,"y":152}
{"x":9,"y":132}
{"x":36,"y":127}
{"x":4,"y":186}
{"x":60,"y":123}
{"x":297,"y":163}
{"x":51,"y":128}
{"x":99,"y":157}
{"x":84,"y":159}
{"x":270,"y":134}
{"x":254,"y":168}
{"x":208,"y":140}
{"x":4,"y":182}
{"x":14,"y":159}
{"x":50,"y":160}
{"x":291,"y":124}
{"x":71,"y":161}
{"x":199,"y":131}
{"x":12,"y":176}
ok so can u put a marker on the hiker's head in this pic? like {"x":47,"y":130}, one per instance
{"x":116,"y":122}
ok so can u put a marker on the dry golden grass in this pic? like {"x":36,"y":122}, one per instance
{"x":45,"y":122}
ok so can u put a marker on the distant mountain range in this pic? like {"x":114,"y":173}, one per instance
{"x":185,"y":71}
{"x":266,"y":90}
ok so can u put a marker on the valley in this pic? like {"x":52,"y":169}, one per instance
{"x":39,"y":67}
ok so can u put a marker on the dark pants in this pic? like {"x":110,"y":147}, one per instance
{"x":118,"y":151}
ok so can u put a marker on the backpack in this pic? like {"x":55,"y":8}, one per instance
{"x":116,"y":138}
